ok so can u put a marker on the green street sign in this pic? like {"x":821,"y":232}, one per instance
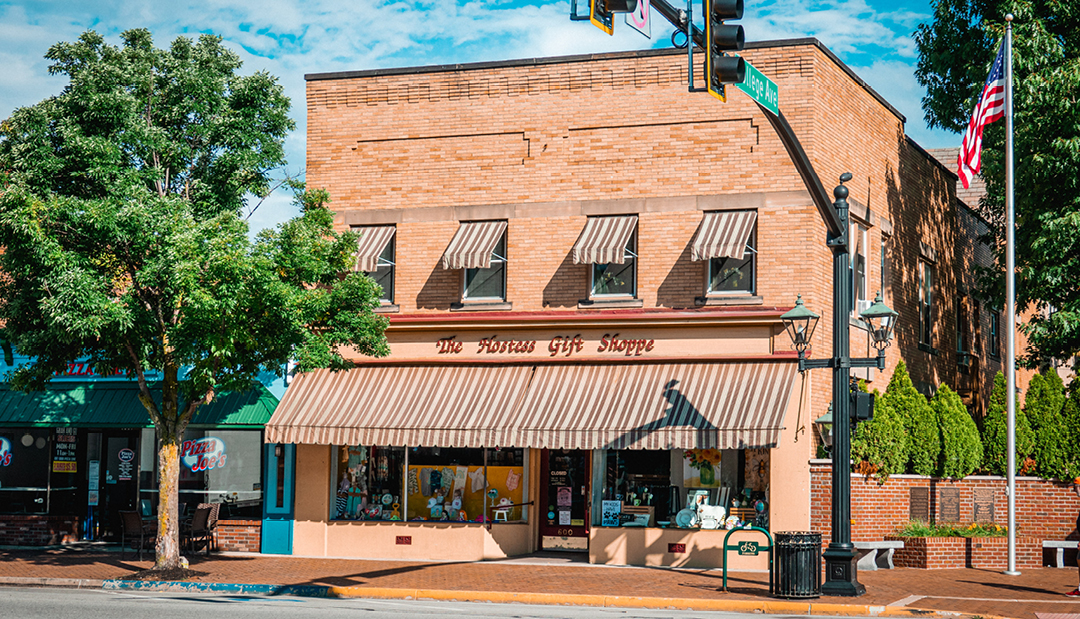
{"x":748,"y":549}
{"x":761,"y":89}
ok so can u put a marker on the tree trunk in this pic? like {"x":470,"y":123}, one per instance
{"x":168,"y":536}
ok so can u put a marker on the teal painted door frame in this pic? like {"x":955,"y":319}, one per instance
{"x":278,"y":484}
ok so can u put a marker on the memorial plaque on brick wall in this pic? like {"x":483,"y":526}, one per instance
{"x":948,"y":501}
{"x":984,"y":505}
{"x":919,"y":504}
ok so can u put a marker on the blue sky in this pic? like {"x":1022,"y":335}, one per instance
{"x":289,"y":38}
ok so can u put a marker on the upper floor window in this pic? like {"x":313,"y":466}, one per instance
{"x":963,"y":344}
{"x":886,"y":269}
{"x":479,"y":248}
{"x":609,"y":244}
{"x":926,"y":302}
{"x":488,"y":283}
{"x":859,"y":246}
{"x":728,"y":240}
{"x":615,"y":278}
{"x":995,"y":333}
{"x":375,"y":257}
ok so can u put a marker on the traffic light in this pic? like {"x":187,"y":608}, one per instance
{"x":602,"y":12}
{"x":721,"y":68}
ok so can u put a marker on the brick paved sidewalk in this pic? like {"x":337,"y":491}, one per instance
{"x":976,"y":592}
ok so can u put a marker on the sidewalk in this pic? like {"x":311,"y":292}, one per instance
{"x":970,"y":592}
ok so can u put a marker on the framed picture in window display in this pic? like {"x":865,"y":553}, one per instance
{"x":701,"y":468}
{"x":757,"y":469}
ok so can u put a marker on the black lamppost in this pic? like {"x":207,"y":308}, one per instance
{"x":841,"y":570}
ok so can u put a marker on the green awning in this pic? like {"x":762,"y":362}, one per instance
{"x":116,"y":405}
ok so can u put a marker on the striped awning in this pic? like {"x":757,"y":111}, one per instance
{"x":603,"y":241}
{"x":723,"y":234}
{"x":373,"y":240}
{"x":431,"y":406}
{"x":655,"y":406}
{"x":592,"y":406}
{"x":472,"y":245}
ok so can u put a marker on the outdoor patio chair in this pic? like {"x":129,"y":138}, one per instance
{"x":198,"y":530}
{"x":215,"y":512}
{"x":136,"y":533}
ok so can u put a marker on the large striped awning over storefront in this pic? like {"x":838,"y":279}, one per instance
{"x":588,"y":406}
{"x":472,"y":245}
{"x":723,"y":234}
{"x":603,"y":241}
{"x":373,"y":240}
{"x":438,"y":406}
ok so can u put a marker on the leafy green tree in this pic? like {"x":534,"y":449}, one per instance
{"x":1042,"y":407}
{"x":995,"y":432}
{"x":920,"y":423}
{"x":955,"y":52}
{"x":123,"y":240}
{"x":961,"y":447}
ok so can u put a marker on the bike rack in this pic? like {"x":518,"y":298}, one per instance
{"x":749,"y":548}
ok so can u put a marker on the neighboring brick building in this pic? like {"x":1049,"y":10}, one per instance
{"x":545,"y":159}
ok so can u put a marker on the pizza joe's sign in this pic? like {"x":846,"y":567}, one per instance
{"x":5,"y":451}
{"x":613,"y":344}
{"x":203,"y":454}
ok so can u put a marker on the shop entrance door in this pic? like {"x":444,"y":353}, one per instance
{"x":119,"y":481}
{"x":564,"y":496}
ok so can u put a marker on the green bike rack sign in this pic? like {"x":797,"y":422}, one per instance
{"x":749,"y":548}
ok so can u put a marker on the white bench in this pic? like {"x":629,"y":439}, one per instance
{"x":877,"y":555}
{"x":1059,"y":545}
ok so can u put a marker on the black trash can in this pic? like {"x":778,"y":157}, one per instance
{"x":797,"y":564}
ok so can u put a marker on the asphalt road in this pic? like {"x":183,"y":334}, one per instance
{"x":52,"y":603}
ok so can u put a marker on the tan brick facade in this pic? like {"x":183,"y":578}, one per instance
{"x":546,"y":143}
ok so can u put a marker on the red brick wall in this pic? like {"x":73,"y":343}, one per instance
{"x":961,"y":552}
{"x":239,"y":535}
{"x":38,"y":530}
{"x":1044,"y":509}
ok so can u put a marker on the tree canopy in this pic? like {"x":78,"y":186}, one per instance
{"x":956,"y":49}
{"x":124,"y":242}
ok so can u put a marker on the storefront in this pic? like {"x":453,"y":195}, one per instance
{"x":76,"y":454}
{"x":488,"y":437}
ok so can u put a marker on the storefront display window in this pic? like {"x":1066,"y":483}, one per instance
{"x":24,"y":470}
{"x":440,"y":484}
{"x":216,"y":466}
{"x":706,"y":488}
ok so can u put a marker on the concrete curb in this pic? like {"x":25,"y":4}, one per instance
{"x":71,"y":583}
{"x":310,"y":591}
{"x":773,"y":607}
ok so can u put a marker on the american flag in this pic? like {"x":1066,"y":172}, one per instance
{"x":990,"y":108}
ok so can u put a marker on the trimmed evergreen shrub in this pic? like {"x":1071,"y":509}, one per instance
{"x":1042,"y":407}
{"x":920,"y":422}
{"x":961,"y":448}
{"x":881,"y":442}
{"x":1070,"y":417}
{"x":995,"y":432}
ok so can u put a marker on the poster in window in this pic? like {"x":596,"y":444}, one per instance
{"x":64,"y":450}
{"x":564,"y":516}
{"x":609,"y":513}
{"x":565,"y":497}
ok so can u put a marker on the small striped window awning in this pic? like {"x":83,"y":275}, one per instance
{"x":603,"y":241}
{"x":472,"y":245}
{"x":373,"y":240}
{"x":723,"y":234}
{"x":590,"y":406}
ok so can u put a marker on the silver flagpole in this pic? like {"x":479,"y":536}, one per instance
{"x":1010,"y":293}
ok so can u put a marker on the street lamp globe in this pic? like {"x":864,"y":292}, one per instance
{"x":800,"y":323}
{"x":824,"y":427}
{"x":880,"y":319}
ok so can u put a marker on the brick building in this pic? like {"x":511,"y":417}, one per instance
{"x":575,"y":252}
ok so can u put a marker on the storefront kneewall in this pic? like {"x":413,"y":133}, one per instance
{"x":315,"y":535}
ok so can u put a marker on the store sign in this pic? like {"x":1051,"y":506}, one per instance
{"x":613,"y":344}
{"x":203,"y":454}
{"x":125,"y":467}
{"x":5,"y":451}
{"x":64,"y":441}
